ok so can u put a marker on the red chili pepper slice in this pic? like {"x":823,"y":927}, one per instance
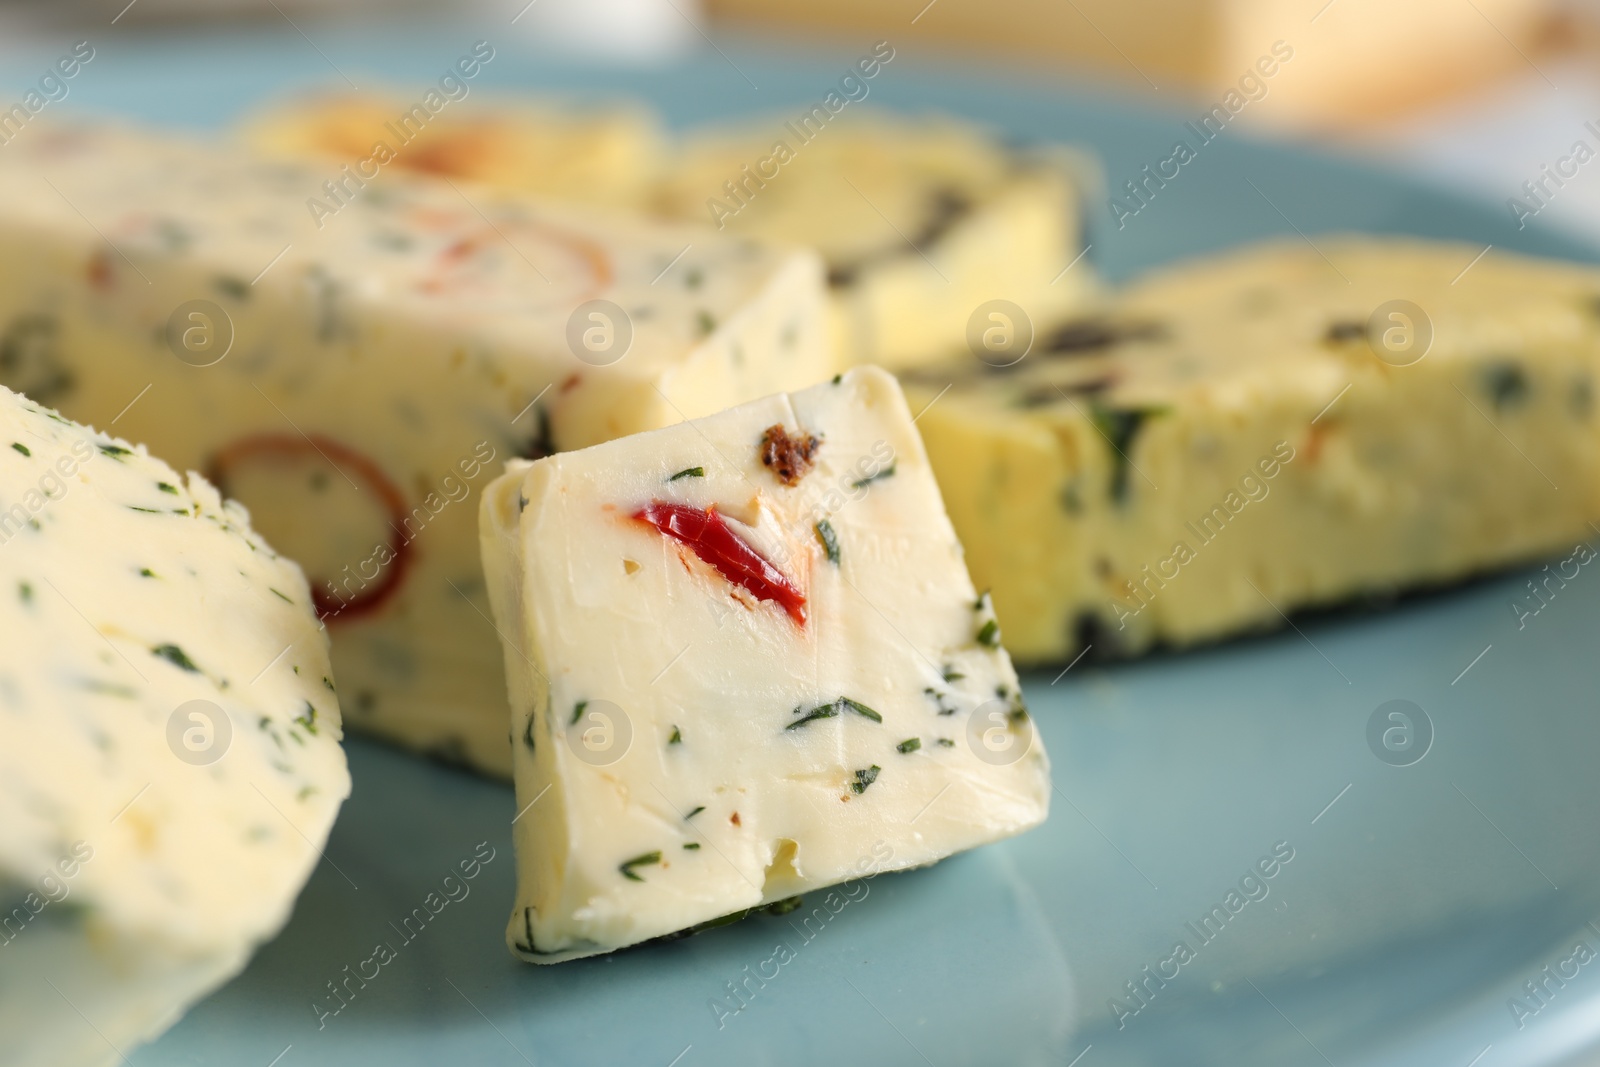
{"x":713,"y":540}
{"x":329,"y":606}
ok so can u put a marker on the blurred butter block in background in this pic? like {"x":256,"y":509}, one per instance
{"x":355,"y":364}
{"x":1352,"y":59}
{"x":920,"y":220}
{"x":1268,"y":430}
{"x":605,"y":156}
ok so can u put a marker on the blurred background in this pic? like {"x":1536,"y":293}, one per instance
{"x":1476,"y":94}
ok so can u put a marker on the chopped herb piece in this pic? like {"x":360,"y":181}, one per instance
{"x":1039,"y":396}
{"x":789,"y":458}
{"x":167,"y":487}
{"x":828,"y":711}
{"x":1095,"y":334}
{"x":638,"y":861}
{"x":175,"y":656}
{"x":527,"y":731}
{"x":1347,"y":330}
{"x":689,"y":472}
{"x":20,"y":447}
{"x":676,"y":738}
{"x":146,"y":572}
{"x":690,"y":931}
{"x":945,"y":207}
{"x":234,"y":287}
{"x":25,"y":591}
{"x":279,"y":595}
{"x":692,"y":846}
{"x":830,"y":540}
{"x":837,"y":378}
{"x":542,"y":443}
{"x":784,"y":906}
{"x":1506,"y":383}
{"x":821,"y":711}
{"x":989,"y":634}
{"x":577,"y":712}
{"x":325,"y":681}
{"x":860,"y":709}
{"x":1120,"y":427}
{"x":694,"y":811}
{"x":31,"y":363}
{"x":116,"y":450}
{"x":1581,"y":398}
{"x":147,"y":511}
{"x":910,"y":744}
{"x":706,"y":323}
{"x":944,"y":742}
{"x":864,"y":778}
{"x":309,"y":719}
{"x":530,"y":948}
{"x":862,"y":483}
{"x":950,"y":674}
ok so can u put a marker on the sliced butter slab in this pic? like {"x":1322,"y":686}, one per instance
{"x":169,"y":740}
{"x":746,"y":663}
{"x":1273,"y":429}
{"x":356,"y":376}
{"x":921,"y":220}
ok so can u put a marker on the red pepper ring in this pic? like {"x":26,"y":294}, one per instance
{"x":330,"y":608}
{"x":710,"y":537}
{"x":594,"y":257}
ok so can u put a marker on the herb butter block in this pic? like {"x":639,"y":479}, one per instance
{"x":604,"y":156}
{"x":1226,"y":443}
{"x":169,"y":740}
{"x":356,"y":367}
{"x":920,"y":220}
{"x":745,"y":662}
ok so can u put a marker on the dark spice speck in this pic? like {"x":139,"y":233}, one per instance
{"x":789,"y":458}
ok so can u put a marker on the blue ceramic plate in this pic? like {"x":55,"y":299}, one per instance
{"x":1431,"y":912}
